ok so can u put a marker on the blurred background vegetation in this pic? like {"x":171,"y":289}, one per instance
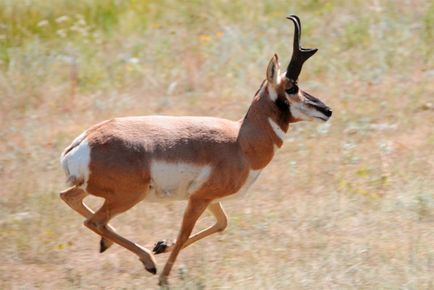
{"x":345,"y":205}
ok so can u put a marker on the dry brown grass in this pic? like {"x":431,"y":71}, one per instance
{"x":344,"y":205}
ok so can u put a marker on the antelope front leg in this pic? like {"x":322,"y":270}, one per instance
{"x":193,"y":211}
{"x":221,"y":223}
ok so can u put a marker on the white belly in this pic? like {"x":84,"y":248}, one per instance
{"x":175,"y":181}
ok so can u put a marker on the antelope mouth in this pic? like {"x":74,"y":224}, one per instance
{"x":324,"y":119}
{"x":325,"y":114}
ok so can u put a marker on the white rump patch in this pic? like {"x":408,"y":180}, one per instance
{"x":176,"y":180}
{"x":76,"y":162}
{"x":277,"y":130}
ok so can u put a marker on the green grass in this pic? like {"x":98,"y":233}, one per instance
{"x":345,"y":205}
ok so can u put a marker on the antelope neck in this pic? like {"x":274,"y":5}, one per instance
{"x":263,"y":129}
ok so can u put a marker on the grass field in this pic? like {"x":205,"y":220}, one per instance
{"x":345,"y":205}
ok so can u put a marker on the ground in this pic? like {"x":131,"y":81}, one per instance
{"x":348,"y":204}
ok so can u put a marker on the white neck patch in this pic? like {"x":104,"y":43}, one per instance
{"x":277,"y":130}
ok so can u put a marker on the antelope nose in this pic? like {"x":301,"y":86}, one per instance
{"x":328,"y":112}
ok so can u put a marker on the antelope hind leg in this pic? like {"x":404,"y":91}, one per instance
{"x":73,"y":197}
{"x":98,"y":223}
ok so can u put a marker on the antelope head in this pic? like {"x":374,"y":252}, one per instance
{"x":302,"y":105}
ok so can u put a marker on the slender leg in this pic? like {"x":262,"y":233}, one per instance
{"x":73,"y":197}
{"x":193,"y":211}
{"x":221,"y":223}
{"x":98,"y":223}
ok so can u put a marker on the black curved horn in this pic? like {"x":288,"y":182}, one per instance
{"x":299,"y":54}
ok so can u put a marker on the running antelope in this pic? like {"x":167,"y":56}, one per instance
{"x":199,"y":159}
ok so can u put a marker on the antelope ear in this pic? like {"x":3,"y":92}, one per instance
{"x":273,"y":71}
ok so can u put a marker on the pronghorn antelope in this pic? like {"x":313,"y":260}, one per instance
{"x":199,"y":159}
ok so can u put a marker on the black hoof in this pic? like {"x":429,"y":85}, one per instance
{"x":160,"y":247}
{"x":152,"y":270}
{"x":103,"y":246}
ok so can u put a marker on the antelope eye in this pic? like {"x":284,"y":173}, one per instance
{"x":292,"y":90}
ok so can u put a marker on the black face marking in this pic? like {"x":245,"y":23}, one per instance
{"x":312,"y":100}
{"x":292,"y":90}
{"x":283,"y":105}
{"x":325,"y":110}
{"x":317,"y":104}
